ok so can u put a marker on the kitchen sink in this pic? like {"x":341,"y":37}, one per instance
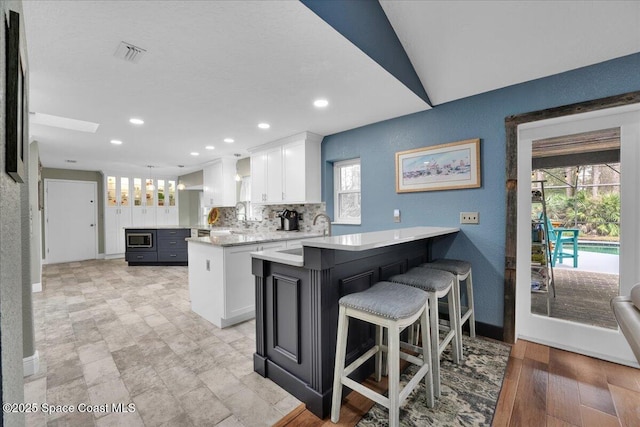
{"x":294,"y":251}
{"x":220,"y":232}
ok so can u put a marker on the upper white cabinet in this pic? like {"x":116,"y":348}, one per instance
{"x":143,"y":211}
{"x":219,"y":183}
{"x":287,"y":170}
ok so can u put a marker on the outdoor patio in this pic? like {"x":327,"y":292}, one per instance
{"x":583,"y":293}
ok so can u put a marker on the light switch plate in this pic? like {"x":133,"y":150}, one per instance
{"x":469,"y":218}
{"x":396,"y":215}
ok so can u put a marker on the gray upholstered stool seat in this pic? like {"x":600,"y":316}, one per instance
{"x":437,"y":284}
{"x":387,"y":300}
{"x":454,"y":266}
{"x":462,"y":270}
{"x":394,"y":307}
{"x":429,"y":281}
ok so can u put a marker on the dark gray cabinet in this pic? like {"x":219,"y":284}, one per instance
{"x":169,"y":248}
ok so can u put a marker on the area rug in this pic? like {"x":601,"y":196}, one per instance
{"x":469,"y":391}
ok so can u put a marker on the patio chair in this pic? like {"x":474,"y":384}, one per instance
{"x":557,"y":238}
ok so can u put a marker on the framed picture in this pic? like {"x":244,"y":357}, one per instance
{"x":440,"y":167}
{"x":16,"y":101}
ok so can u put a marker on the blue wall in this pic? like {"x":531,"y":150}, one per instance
{"x":481,"y":116}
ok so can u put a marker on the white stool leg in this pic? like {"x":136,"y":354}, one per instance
{"x":426,"y":355}
{"x":472,"y":318}
{"x":454,"y":318}
{"x":394,"y":376}
{"x":435,"y":354}
{"x":458,"y":308}
{"x":341,"y":350}
{"x":378,"y":361}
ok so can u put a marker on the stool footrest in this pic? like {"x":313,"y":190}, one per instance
{"x":360,"y":360}
{"x":410,"y":386}
{"x":445,"y":342}
{"x":366,"y":392}
{"x":467,"y":314}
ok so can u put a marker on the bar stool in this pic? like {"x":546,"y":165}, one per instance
{"x":437,"y":284}
{"x":391,"y":306}
{"x":462,"y":271}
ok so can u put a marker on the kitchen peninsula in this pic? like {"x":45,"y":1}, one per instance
{"x":221,"y":287}
{"x":297,"y":293}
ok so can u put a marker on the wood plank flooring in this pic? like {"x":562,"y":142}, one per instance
{"x":545,"y":386}
{"x":542,"y":386}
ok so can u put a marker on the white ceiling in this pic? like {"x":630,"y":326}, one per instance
{"x":216,"y":69}
{"x":462,"y":48}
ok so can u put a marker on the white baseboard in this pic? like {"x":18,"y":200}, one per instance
{"x":31,"y":364}
{"x":36,"y":287}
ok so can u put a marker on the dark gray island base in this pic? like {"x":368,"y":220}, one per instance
{"x":165,"y":246}
{"x":297,"y":305}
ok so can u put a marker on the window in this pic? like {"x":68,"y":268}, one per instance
{"x":346,"y":181}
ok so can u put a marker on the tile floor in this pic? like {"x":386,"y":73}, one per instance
{"x":109,"y":334}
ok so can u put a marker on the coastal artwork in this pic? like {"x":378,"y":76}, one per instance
{"x":440,"y":167}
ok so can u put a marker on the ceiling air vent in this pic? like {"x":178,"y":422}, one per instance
{"x":129,"y":52}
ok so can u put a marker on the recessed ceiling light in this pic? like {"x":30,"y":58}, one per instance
{"x":228,"y":140}
{"x":210,"y":147}
{"x":136,"y":121}
{"x":264,"y":125}
{"x":320,"y":103}
{"x":194,"y":153}
{"x":116,"y":142}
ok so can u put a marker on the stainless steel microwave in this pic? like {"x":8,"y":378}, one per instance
{"x":140,"y":240}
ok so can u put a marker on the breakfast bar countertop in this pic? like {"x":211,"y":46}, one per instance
{"x":237,"y":238}
{"x":378,"y":239}
{"x":354,"y":242}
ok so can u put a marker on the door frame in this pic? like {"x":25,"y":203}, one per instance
{"x":46,"y":213}
{"x":511,"y":129}
{"x":602,"y":343}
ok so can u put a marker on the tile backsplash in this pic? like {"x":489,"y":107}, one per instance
{"x":271,"y":221}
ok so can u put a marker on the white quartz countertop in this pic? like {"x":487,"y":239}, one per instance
{"x":354,"y":242}
{"x":377,"y":239}
{"x":164,"y":227}
{"x":238,"y":238}
{"x":289,"y":257}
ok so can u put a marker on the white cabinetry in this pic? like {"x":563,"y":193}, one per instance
{"x":117,"y":213}
{"x":266,"y":176}
{"x":221,"y":286}
{"x":166,"y":208}
{"x":287,"y":170}
{"x":219,"y":183}
{"x":136,"y":200}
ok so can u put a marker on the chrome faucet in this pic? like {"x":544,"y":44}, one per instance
{"x":327,"y":232}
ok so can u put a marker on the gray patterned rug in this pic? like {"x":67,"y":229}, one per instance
{"x":469,"y":390}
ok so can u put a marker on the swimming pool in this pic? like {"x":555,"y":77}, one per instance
{"x":611,"y":248}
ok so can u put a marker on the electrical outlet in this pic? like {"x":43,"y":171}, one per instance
{"x":396,"y":215}
{"x":469,"y":218}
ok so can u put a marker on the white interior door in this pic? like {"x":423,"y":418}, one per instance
{"x":593,"y":341}
{"x":71,"y":226}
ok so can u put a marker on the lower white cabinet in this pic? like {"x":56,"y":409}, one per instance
{"x":115,"y":221}
{"x":221,"y":286}
{"x":166,"y":215}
